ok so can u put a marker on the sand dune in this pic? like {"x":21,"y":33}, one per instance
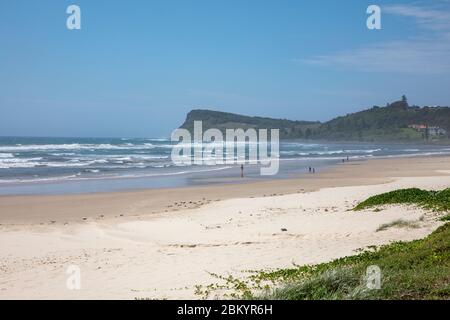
{"x":164,"y":254}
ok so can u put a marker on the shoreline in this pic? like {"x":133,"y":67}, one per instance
{"x":80,"y":182}
{"x":82,"y":208}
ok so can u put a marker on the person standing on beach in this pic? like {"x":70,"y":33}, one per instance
{"x":242,"y":170}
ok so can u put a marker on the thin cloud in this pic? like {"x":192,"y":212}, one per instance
{"x":435,"y":19}
{"x":428,"y":53}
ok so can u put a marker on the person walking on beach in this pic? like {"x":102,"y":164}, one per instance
{"x":242,"y":170}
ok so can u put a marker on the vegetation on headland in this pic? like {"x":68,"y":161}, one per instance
{"x":224,"y":120}
{"x":418,"y":269}
{"x":434,"y":200}
{"x":397,"y":121}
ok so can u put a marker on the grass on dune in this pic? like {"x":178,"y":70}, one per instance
{"x":400,"y":223}
{"x":418,"y":269}
{"x":410,"y":270}
{"x":434,"y":200}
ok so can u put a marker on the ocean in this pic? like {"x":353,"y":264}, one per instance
{"x":82,"y":165}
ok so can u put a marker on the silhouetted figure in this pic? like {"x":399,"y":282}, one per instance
{"x":348,"y":158}
{"x":310,"y":169}
{"x":242,"y":170}
{"x":314,"y":170}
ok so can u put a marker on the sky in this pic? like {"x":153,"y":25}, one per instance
{"x":137,"y":67}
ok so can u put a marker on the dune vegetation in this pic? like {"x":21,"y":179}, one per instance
{"x":418,"y":269}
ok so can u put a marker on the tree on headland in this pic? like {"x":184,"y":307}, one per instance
{"x":404,"y":99}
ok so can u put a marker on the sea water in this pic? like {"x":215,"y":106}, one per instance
{"x":79,"y":165}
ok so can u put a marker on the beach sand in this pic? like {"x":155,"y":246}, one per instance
{"x":162,"y":243}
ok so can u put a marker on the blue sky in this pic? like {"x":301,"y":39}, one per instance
{"x":137,"y":67}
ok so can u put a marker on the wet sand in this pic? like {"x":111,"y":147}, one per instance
{"x":63,"y":209}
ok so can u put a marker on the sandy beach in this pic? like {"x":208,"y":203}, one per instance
{"x":162,"y":243}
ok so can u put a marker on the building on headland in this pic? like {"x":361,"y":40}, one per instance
{"x":430,"y":130}
{"x":436,"y":131}
{"x":418,"y":127}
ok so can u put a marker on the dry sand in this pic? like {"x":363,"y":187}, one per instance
{"x":161,"y":243}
